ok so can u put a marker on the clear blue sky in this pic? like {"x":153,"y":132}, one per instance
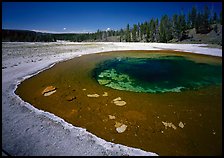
{"x":89,"y":16}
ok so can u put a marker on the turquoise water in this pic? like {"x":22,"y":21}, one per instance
{"x":157,"y":75}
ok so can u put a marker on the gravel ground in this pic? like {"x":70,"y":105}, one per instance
{"x":27,"y":131}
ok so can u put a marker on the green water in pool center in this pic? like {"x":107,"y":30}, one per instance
{"x":157,"y":74}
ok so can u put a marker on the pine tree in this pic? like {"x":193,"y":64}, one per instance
{"x":141,"y":31}
{"x":157,"y":30}
{"x":121,"y":33}
{"x":138,"y":32}
{"x":221,"y":17}
{"x":147,"y":32}
{"x":165,"y":29}
{"x":128,"y":36}
{"x":193,"y":17}
{"x":198,"y":22}
{"x":99,"y":36}
{"x":175,"y":26}
{"x":188,"y":24}
{"x":152,"y":30}
{"x":169,"y":29}
{"x":206,"y":17}
{"x":214,"y":20}
{"x":134,"y":32}
{"x":182,"y":26}
{"x":202,"y":21}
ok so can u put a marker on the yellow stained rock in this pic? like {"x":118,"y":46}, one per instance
{"x":121,"y":129}
{"x":93,"y":95}
{"x":111,"y":117}
{"x":181,"y":125}
{"x":120,"y":103}
{"x":49,"y":90}
{"x":105,"y":94}
{"x":117,"y":99}
{"x":169,"y":124}
{"x":49,"y":93}
{"x":117,"y":124}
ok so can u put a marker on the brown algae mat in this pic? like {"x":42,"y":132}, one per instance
{"x":172,"y":123}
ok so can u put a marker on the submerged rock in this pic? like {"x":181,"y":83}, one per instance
{"x":121,"y":128}
{"x":120,"y":103}
{"x":70,"y":98}
{"x":117,"y":99}
{"x":49,"y":93}
{"x":169,"y":124}
{"x":93,"y":95}
{"x":49,"y":90}
{"x":111,"y":117}
{"x":181,"y":125}
{"x":117,"y":124}
{"x":105,"y":94}
{"x":173,"y":126}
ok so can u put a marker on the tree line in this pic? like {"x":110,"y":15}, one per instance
{"x":167,"y":29}
{"x":173,"y":28}
{"x":32,"y":36}
{"x":26,"y":36}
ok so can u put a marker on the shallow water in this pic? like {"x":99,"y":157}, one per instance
{"x":200,"y":109}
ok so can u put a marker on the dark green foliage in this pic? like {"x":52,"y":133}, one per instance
{"x":141,"y":31}
{"x":128,"y":36}
{"x":157,"y":30}
{"x":198,"y":22}
{"x":165,"y":29}
{"x":138,"y":31}
{"x":152,"y":32}
{"x":147,"y":29}
{"x":214,"y":20}
{"x":26,"y":36}
{"x":175,"y":27}
{"x":216,"y":28}
{"x":188,"y":23}
{"x":121,"y":34}
{"x":206,"y":16}
{"x":193,"y":17}
{"x":202,"y":23}
{"x":134,"y":33}
{"x":221,"y":17}
{"x":181,"y":27}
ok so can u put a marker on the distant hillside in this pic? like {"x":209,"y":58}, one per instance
{"x":26,"y":36}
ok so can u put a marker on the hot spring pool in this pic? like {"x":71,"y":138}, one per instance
{"x":157,"y":74}
{"x":165,"y":102}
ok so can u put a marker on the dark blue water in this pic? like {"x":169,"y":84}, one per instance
{"x":155,"y":75}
